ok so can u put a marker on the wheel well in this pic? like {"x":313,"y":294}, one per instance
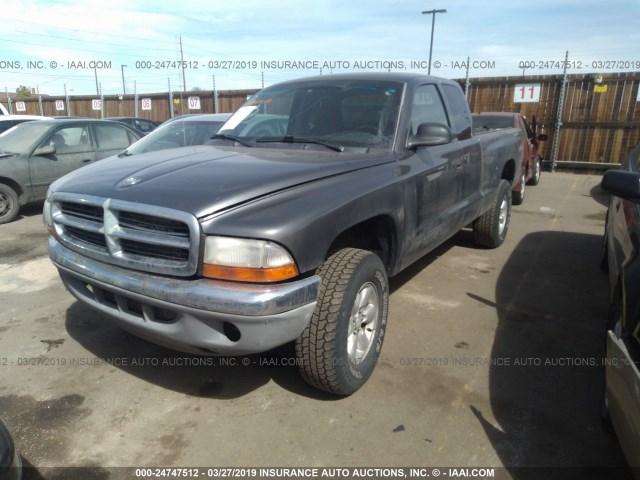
{"x":376,"y":234}
{"x":509,"y":171}
{"x":15,"y":186}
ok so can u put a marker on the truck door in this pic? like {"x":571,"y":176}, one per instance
{"x":470,"y":161}
{"x":437,"y":176}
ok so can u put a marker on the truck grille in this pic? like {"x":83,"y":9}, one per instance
{"x":141,"y":237}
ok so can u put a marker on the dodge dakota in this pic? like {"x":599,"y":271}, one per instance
{"x":287,"y":226}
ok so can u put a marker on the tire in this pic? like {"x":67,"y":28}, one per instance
{"x":490,"y":228}
{"x":518,"y":197}
{"x":614,"y":323}
{"x":537,"y":171}
{"x":603,"y":411}
{"x":9,"y":204}
{"x":335,"y":353}
{"x":604,"y":254}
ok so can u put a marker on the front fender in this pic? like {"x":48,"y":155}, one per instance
{"x":306,"y":219}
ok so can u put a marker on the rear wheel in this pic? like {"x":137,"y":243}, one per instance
{"x":9,"y":204}
{"x":537,"y":170}
{"x":340,"y":347}
{"x":490,"y":229}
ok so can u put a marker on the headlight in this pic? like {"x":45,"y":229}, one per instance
{"x":46,"y":218}
{"x":246,"y":260}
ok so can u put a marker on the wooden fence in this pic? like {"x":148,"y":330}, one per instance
{"x":124,"y":105}
{"x":599,"y":124}
{"x":600,"y":118}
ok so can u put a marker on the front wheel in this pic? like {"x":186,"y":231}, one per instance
{"x":9,"y":204}
{"x":338,"y":350}
{"x":490,"y":228}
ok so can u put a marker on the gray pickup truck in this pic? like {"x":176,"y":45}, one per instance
{"x":287,"y":226}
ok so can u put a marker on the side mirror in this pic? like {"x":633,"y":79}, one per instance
{"x":430,"y":134}
{"x":621,"y":183}
{"x":44,"y":151}
{"x":542,"y":137}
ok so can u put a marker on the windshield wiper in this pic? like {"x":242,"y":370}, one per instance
{"x":224,"y":136}
{"x":292,"y":139}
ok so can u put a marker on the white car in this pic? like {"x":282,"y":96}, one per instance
{"x":8,"y":121}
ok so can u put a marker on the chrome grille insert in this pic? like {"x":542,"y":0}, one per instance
{"x":141,"y":237}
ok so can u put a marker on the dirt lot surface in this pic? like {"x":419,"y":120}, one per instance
{"x":491,"y":359}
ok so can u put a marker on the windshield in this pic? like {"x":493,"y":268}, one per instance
{"x":20,"y":138}
{"x":179,"y":133}
{"x":345,"y":113}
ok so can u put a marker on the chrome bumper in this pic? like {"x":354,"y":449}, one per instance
{"x":197,"y":316}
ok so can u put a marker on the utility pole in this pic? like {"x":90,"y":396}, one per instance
{"x":433,"y":24}
{"x":184,"y":81}
{"x":556,"y":135}
{"x":95,"y":72}
{"x":124,"y":87}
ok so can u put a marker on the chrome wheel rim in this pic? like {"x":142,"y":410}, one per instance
{"x":524,"y":184}
{"x":504,"y":214}
{"x":5,"y":205}
{"x":537,"y":170}
{"x":363,"y":323}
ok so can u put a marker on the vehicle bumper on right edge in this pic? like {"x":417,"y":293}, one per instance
{"x":10,"y":461}
{"x":623,"y":384}
{"x":197,"y":316}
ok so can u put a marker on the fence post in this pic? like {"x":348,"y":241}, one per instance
{"x":101,"y":101}
{"x":215,"y":95}
{"x":556,"y":136}
{"x":135,"y":99}
{"x":6,"y":92}
{"x":39,"y":101}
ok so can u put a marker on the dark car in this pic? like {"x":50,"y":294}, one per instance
{"x":531,"y":160}
{"x":621,"y":401}
{"x":184,"y":131}
{"x":10,"y":462}
{"x":142,"y":125}
{"x":34,"y":154}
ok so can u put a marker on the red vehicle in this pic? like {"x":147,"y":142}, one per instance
{"x":531,"y":161}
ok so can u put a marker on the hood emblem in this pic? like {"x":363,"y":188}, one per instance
{"x":127,"y":182}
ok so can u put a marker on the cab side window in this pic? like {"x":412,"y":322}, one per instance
{"x":460,"y":109}
{"x":69,"y":140}
{"x":427,"y":107}
{"x":111,"y":137}
{"x":525,"y":127}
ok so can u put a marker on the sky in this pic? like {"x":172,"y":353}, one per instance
{"x":248,"y":44}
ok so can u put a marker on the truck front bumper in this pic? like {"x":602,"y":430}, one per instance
{"x":197,"y":316}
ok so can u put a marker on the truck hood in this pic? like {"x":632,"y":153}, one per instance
{"x":204,"y":180}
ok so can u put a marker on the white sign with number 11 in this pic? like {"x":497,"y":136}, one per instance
{"x":526,"y":92}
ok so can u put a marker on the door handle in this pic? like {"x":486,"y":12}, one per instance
{"x":86,"y":160}
{"x":457,"y":165}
